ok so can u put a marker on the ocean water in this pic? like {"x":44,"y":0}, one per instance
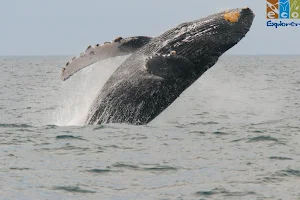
{"x":234,"y":134}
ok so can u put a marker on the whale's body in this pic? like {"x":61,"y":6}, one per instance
{"x":161,"y":68}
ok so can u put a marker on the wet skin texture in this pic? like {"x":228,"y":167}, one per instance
{"x":154,"y":76}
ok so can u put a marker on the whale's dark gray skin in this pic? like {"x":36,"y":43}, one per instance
{"x":155,"y":75}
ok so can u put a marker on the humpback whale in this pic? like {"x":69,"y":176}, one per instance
{"x":159,"y":69}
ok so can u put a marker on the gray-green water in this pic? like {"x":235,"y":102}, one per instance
{"x":234,"y":134}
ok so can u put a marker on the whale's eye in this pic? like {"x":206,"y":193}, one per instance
{"x":173,"y":53}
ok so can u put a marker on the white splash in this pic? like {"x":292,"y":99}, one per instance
{"x":78,"y":93}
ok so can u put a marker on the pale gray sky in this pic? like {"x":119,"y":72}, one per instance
{"x":67,"y":27}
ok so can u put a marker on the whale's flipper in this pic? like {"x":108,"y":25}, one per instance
{"x":169,"y":66}
{"x":118,"y":47}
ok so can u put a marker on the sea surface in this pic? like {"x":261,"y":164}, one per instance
{"x":234,"y":134}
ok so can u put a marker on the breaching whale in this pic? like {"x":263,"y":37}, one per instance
{"x":160,"y":68}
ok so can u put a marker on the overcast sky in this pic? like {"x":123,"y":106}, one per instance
{"x":67,"y":27}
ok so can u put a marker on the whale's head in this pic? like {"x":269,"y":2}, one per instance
{"x":203,"y":41}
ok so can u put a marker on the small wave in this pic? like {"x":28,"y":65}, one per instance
{"x":19,"y":168}
{"x":200,"y":114}
{"x":138,"y":138}
{"x":220,"y":133}
{"x":42,"y":144}
{"x":290,"y":127}
{"x":25,"y":130}
{"x":146,"y":167}
{"x":263,"y":138}
{"x":60,"y":150}
{"x":210,"y":123}
{"x":204,"y":123}
{"x":238,"y":140}
{"x":50,"y":127}
{"x":271,"y":179}
{"x":15,"y":126}
{"x":222,"y":192}
{"x":280,"y":175}
{"x":74,"y":189}
{"x":258,"y":131}
{"x":123,"y":165}
{"x":117,"y":147}
{"x":62,"y":137}
{"x":69,"y":147}
{"x":267,"y":122}
{"x":206,"y":193}
{"x":98,"y":127}
{"x":160,"y":168}
{"x":198,"y":132}
{"x":101,"y":171}
{"x":279,"y":158}
{"x":289,"y":172}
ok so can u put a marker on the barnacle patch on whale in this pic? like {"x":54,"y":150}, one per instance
{"x":118,"y":39}
{"x":88,"y":47}
{"x":232,"y":16}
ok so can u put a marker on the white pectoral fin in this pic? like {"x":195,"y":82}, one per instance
{"x":91,"y":56}
{"x":98,"y":52}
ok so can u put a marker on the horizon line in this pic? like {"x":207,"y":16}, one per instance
{"x":65,"y":55}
